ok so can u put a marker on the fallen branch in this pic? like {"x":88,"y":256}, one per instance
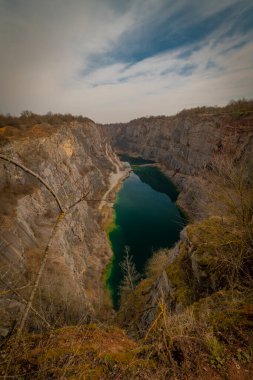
{"x":49,"y":188}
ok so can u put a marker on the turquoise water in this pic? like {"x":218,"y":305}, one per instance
{"x":146,"y":219}
{"x":135,"y":160}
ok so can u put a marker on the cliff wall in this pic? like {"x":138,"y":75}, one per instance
{"x":209,"y":156}
{"x":186,"y":145}
{"x":75,"y":160}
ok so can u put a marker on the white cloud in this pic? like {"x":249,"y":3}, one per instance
{"x":46,"y":46}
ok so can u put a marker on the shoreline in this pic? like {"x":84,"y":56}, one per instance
{"x":110,"y":222}
{"x":187,"y":185}
{"x":106,"y":205}
{"x":108,"y":219}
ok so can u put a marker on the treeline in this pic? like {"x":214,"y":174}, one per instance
{"x":241,"y":106}
{"x":234,"y":107}
{"x":28,"y":118}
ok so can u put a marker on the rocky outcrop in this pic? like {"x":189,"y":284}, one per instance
{"x":77,"y":163}
{"x":212,"y":256}
{"x":186,"y":145}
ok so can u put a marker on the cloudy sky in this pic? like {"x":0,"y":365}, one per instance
{"x":114,"y":60}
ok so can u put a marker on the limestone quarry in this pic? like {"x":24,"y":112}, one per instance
{"x":191,"y":314}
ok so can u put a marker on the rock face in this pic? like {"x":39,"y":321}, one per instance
{"x":186,"y":144}
{"x":75,"y":160}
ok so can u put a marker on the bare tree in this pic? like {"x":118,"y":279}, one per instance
{"x":130,"y":274}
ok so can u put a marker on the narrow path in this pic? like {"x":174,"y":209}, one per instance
{"x":115,"y":178}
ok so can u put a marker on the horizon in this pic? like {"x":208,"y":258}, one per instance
{"x":231,"y":103}
{"x":113,"y":61}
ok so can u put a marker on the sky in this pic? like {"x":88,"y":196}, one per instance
{"x":116,"y":60}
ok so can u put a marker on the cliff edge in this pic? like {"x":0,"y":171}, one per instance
{"x":76,"y":162}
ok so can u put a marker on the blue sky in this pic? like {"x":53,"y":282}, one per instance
{"x":117,"y":60}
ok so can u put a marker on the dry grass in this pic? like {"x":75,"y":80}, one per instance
{"x":158,"y":263}
{"x":206,"y":340}
{"x":80,"y":352}
{"x":209,"y":335}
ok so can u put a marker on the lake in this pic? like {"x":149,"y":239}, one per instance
{"x":146,"y":219}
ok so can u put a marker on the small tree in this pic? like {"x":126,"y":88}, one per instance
{"x":127,"y":290}
{"x":26,"y":114}
{"x":131,"y":276}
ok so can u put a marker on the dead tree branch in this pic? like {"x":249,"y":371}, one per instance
{"x":38,"y":276}
{"x":60,"y":216}
{"x":15,"y":291}
{"x":43,"y":263}
{"x":49,"y":188}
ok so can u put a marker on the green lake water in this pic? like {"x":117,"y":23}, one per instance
{"x":146,"y":219}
